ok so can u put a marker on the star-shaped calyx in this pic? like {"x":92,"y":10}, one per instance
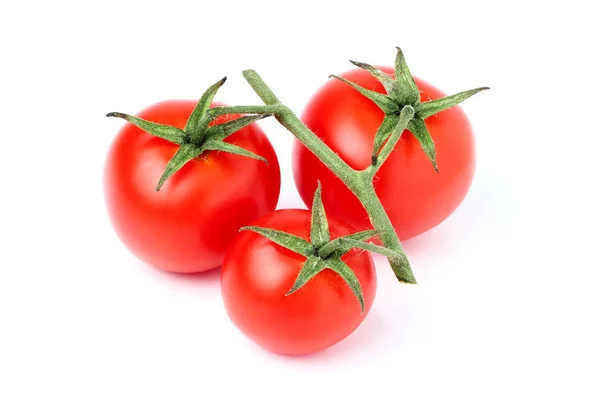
{"x":401,"y":92}
{"x":321,"y":251}
{"x":197,"y":136}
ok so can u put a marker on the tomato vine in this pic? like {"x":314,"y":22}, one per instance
{"x":403,"y":110}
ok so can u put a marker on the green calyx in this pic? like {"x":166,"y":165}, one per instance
{"x":198,"y":136}
{"x":323,"y":253}
{"x":402,"y":92}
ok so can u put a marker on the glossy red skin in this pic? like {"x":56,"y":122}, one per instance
{"x":257,"y":273}
{"x":415,"y":196}
{"x":187,"y":226}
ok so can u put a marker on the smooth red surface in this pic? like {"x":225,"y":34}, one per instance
{"x":414,"y":195}
{"x":257,"y":273}
{"x":188,"y":225}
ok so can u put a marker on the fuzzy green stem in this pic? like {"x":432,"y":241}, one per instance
{"x":289,"y":120}
{"x":358,"y":182}
{"x":265,"y":110}
{"x":406,"y":115}
{"x":331,"y":159}
{"x":381,"y":222}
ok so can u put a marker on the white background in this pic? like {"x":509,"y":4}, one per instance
{"x":507,"y":305}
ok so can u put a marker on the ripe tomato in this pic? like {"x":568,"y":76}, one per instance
{"x":414,"y":195}
{"x":188,"y":225}
{"x":257,"y":273}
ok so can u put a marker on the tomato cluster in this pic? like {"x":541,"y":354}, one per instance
{"x":290,"y":278}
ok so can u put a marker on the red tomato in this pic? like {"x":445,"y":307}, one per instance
{"x":257,"y":273}
{"x":414,"y":195}
{"x":188,"y":225}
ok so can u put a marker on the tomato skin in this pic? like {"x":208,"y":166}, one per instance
{"x":187,"y":226}
{"x":257,"y":273}
{"x":414,"y":195}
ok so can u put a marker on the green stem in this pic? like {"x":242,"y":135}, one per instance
{"x":267,"y":110}
{"x":339,"y":167}
{"x":406,"y":115}
{"x":387,"y":234}
{"x":289,"y":120}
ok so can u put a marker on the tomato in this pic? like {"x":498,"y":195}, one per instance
{"x":257,"y":273}
{"x":416,"y":197}
{"x":188,"y":225}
